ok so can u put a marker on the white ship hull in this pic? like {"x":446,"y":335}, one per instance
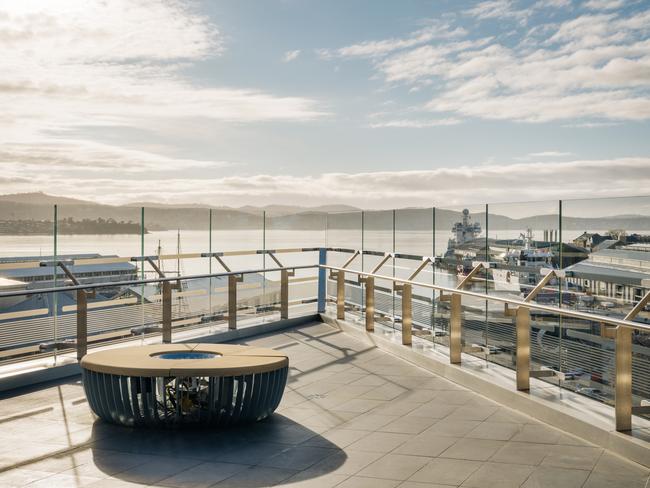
{"x":505,"y":280}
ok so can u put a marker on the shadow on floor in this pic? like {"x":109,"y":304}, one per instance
{"x":253,"y":455}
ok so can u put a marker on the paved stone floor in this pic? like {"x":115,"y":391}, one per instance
{"x":352,"y":417}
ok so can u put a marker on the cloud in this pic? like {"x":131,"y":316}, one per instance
{"x":591,"y":68}
{"x":549,"y":154}
{"x":603,"y":4}
{"x":416,"y":124}
{"x":370,"y":49}
{"x":543,"y":155}
{"x":540,"y":4}
{"x":489,"y":183}
{"x":80,"y":157}
{"x":291,"y":55}
{"x":90,"y":63}
{"x":506,"y":9}
{"x":496,"y":9}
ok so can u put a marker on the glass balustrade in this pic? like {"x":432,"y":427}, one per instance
{"x":588,"y":256}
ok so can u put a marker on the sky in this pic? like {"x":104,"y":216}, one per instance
{"x":373,"y":103}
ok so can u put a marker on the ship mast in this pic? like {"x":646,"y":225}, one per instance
{"x":178,"y":252}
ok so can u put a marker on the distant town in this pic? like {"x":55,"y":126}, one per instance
{"x":68,"y":226}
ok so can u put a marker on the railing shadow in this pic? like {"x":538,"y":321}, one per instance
{"x":257,"y":454}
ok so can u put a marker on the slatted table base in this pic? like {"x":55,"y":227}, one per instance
{"x":168,"y":401}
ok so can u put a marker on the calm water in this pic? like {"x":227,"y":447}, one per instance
{"x":196,"y":241}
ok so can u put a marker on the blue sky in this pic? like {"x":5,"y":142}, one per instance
{"x":370,"y":103}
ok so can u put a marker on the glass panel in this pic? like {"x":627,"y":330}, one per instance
{"x":606,"y":244}
{"x":523,"y":244}
{"x":26,"y":229}
{"x":96,"y":244}
{"x":234,"y":231}
{"x":414,"y":240}
{"x":378,"y":239}
{"x":295,"y":232}
{"x":26,"y":238}
{"x":344,"y":232}
{"x":174,"y":239}
{"x":305,"y":229}
{"x":461,"y":233}
{"x":98,"y":231}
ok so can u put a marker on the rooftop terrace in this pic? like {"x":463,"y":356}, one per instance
{"x":353,"y":415}
{"x":416,"y":359}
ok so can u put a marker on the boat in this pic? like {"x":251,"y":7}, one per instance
{"x":464,"y":244}
{"x":520,"y":268}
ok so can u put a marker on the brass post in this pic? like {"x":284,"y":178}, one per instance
{"x":455,"y":329}
{"x":340,"y":295}
{"x":407,"y":314}
{"x":166,"y":312}
{"x":82,"y":324}
{"x":523,"y":348}
{"x":623,"y":378}
{"x":370,"y":303}
{"x":284,"y":293}
{"x":232,"y":301}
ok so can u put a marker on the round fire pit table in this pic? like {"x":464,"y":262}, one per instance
{"x":178,"y":384}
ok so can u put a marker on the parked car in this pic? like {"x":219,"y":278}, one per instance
{"x":575,"y":374}
{"x":594,"y":393}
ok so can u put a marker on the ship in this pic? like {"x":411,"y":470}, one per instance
{"x":464,"y":245}
{"x":520,"y":268}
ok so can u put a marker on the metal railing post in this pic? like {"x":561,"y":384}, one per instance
{"x":232,"y":301}
{"x":370,"y":303}
{"x":623,"y":399}
{"x":284,"y":294}
{"x":322,"y":279}
{"x":455,"y":329}
{"x":82,"y":324}
{"x":340,"y":295}
{"x":407,"y":314}
{"x":522,"y":351}
{"x":623,"y":380}
{"x":166,"y":312}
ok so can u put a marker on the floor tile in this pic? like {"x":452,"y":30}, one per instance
{"x":499,"y":475}
{"x":298,"y":457}
{"x":521,"y":453}
{"x":202,"y":475}
{"x":426,"y":445}
{"x":539,"y":434}
{"x":302,"y":480}
{"x":610,"y":463}
{"x":446,"y":471}
{"x":496,"y":431}
{"x":337,"y":437}
{"x":547,"y":476}
{"x":572,"y":457}
{"x":379,"y":442}
{"x":256,"y":477}
{"x":601,"y":480}
{"x":408,"y":425}
{"x":433,"y":410}
{"x":394,"y":467}
{"x":472,"y":449}
{"x":361,"y":482}
{"x":349,"y":462}
{"x":453,"y":427}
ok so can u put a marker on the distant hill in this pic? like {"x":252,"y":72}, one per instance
{"x":280,"y":210}
{"x":40,"y":198}
{"x":39,"y":206}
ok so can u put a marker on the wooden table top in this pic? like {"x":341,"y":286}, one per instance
{"x":231,"y":360}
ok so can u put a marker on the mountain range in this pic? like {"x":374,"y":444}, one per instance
{"x":40,"y":206}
